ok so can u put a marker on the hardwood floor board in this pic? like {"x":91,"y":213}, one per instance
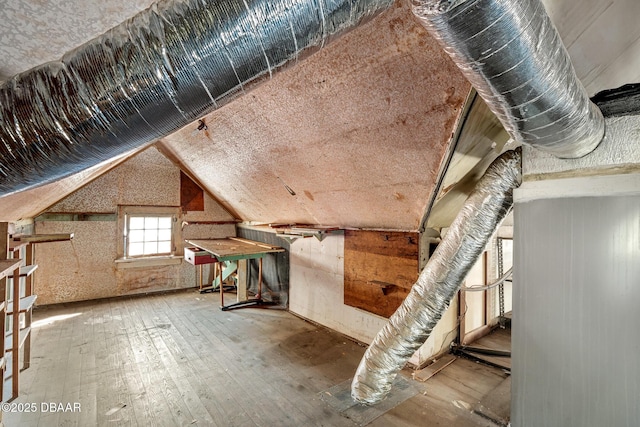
{"x":401,"y":417}
{"x":177,"y":360}
{"x":199,"y":368}
{"x":55,"y":391}
{"x":258,"y":399}
{"x":279,"y":378}
{"x":188,"y":405}
{"x":279,"y":343}
{"x":178,"y":375}
{"x":482,"y":380}
{"x":278,"y":381}
{"x":149,"y":406}
{"x":313,"y":373}
{"x":27,"y":420}
{"x":498,"y":339}
{"x":260,"y":378}
{"x":115,"y":405}
{"x":47,"y":420}
{"x":160,"y":388}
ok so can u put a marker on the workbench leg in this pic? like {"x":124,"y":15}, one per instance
{"x":219,"y":267}
{"x":242,"y":280}
{"x":259,"y":296}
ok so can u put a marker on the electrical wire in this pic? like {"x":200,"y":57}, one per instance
{"x":498,"y":282}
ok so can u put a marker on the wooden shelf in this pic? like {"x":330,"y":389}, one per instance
{"x":25,"y":304}
{"x":21,"y":287}
{"x":7,"y":374}
{"x":7,"y":266}
{"x":42,"y":238}
{"x":27,"y":270}
{"x":14,"y":245}
{"x":23,"y":335}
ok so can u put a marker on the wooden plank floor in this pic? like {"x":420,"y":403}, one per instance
{"x":498,"y":339}
{"x":177,"y":360}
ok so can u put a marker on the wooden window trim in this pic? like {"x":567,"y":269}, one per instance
{"x":176,"y":238}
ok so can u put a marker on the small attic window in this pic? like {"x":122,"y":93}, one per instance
{"x":148,"y":231}
{"x":148,"y":235}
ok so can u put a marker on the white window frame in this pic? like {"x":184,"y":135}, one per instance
{"x":127,"y":212}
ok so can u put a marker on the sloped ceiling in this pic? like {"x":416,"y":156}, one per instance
{"x":357,"y":132}
{"x":33,"y":32}
{"x":28,"y":204}
{"x":603,"y":40}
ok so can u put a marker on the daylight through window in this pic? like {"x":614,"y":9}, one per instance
{"x":148,"y":235}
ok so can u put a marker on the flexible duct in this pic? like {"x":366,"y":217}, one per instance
{"x":152,"y":75}
{"x":410,"y":326}
{"x":512,"y":54}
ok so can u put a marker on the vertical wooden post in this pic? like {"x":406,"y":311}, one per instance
{"x":462,"y":329}
{"x":485,"y":278}
{"x":15,"y":323}
{"x":28,"y":291}
{"x":4,"y":254}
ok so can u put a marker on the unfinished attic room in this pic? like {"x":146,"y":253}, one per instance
{"x":320,"y":213}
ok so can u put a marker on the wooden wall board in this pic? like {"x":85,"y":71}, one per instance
{"x":191,"y":195}
{"x":373,"y":258}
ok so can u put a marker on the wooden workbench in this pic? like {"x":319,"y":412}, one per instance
{"x":237,"y":249}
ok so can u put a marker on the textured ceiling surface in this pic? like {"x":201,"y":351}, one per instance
{"x":603,"y":40}
{"x":36,"y":31}
{"x":356,"y":132}
{"x":28,"y":204}
{"x":353,"y":136}
{"x":602,"y":37}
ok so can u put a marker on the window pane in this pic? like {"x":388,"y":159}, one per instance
{"x":135,"y":249}
{"x":164,"y":234}
{"x":136,"y":223}
{"x":164,"y":222}
{"x":164,"y":247}
{"x":150,"y":235}
{"x":150,"y":222}
{"x":150,"y":248}
{"x":136,"y":236}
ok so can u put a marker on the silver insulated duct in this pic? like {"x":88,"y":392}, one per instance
{"x":512,"y":54}
{"x":153,"y":74}
{"x":410,"y":326}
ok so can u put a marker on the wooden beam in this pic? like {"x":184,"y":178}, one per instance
{"x":4,"y":240}
{"x":7,"y":266}
{"x":43,"y":238}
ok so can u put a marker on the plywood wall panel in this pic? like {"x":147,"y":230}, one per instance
{"x":375,"y":258}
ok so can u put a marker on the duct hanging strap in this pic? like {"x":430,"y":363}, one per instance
{"x":512,"y":54}
{"x":410,"y":326}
